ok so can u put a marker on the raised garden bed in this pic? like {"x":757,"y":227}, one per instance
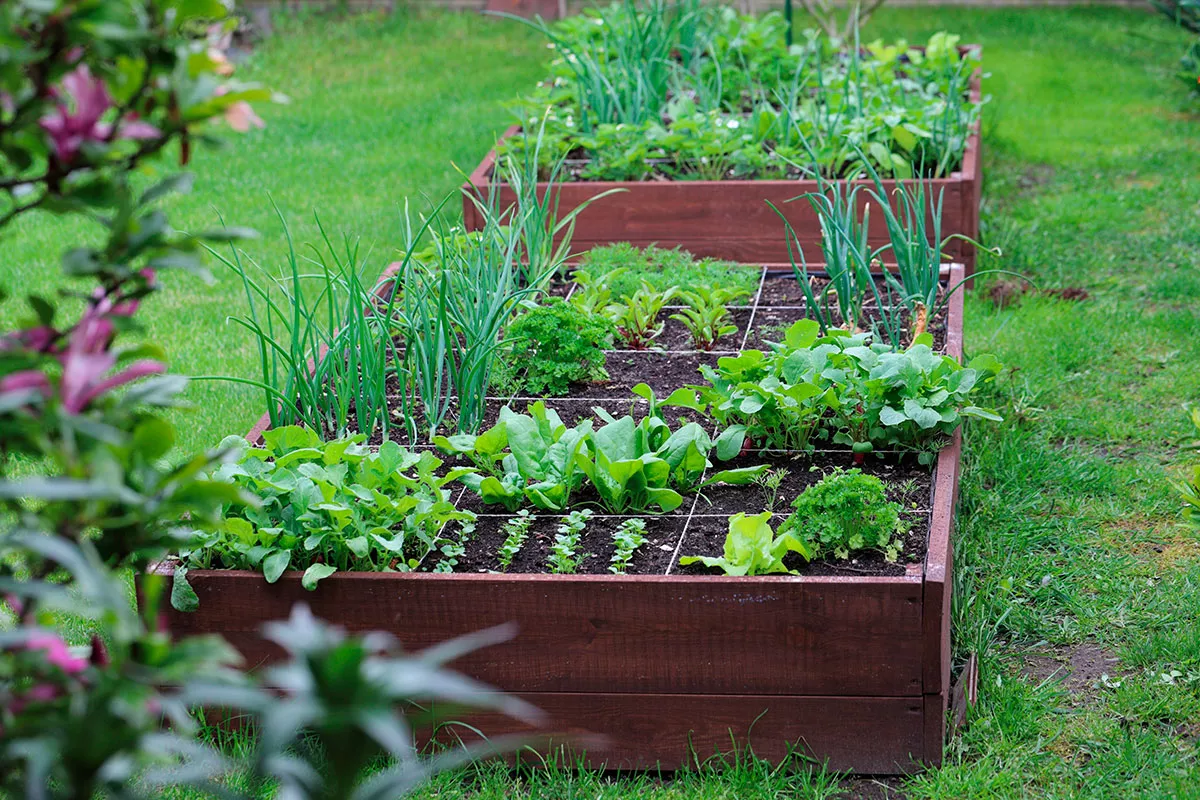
{"x":848,"y":662}
{"x":730,"y":219}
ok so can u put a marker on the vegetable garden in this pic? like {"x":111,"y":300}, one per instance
{"x":656,"y":493}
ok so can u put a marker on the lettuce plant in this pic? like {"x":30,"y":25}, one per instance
{"x":752,"y":548}
{"x":844,"y":512}
{"x":327,"y":506}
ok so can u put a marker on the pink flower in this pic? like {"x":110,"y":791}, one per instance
{"x":57,"y":654}
{"x":69,"y":130}
{"x":88,"y":358}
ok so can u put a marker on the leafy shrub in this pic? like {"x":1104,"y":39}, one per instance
{"x":558,"y":345}
{"x":752,"y":548}
{"x":843,"y":512}
{"x":328,"y":506}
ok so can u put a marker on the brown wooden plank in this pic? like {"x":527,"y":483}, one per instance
{"x":875,"y":735}
{"x":935,"y":707}
{"x":678,"y":634}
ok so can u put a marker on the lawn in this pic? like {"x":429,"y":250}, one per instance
{"x":1077,"y":585}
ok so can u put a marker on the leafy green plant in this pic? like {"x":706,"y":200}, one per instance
{"x":524,"y":458}
{"x":636,"y":317}
{"x":841,"y":388}
{"x":844,"y":512}
{"x":516,"y":532}
{"x":559,"y":345}
{"x":565,"y":558}
{"x":593,"y":290}
{"x":341,"y":704}
{"x":326,"y":506}
{"x":625,"y":268}
{"x":1188,"y":489}
{"x":705,"y":314}
{"x":681,"y":91}
{"x":628,"y":537}
{"x":752,"y":548}
{"x":621,"y":463}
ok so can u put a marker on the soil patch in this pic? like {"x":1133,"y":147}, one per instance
{"x":1079,"y":668}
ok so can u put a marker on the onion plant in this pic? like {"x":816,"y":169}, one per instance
{"x":622,"y":73}
{"x":533,"y":217}
{"x":324,"y":349}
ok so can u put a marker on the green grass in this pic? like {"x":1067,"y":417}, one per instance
{"x":1068,"y":535}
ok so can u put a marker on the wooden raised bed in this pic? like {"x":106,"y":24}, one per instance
{"x":853,"y":670}
{"x":731,"y":219}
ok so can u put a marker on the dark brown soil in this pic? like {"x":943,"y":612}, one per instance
{"x":907,"y":482}
{"x":664,"y":372}
{"x":1079,"y":668}
{"x":662,"y":536}
{"x":675,"y":335}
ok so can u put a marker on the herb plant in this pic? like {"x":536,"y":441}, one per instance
{"x":752,"y":548}
{"x":625,"y":268}
{"x":844,"y":512}
{"x":629,"y":536}
{"x":327,"y":506}
{"x":705,"y":314}
{"x":565,"y":557}
{"x":516,"y":532}
{"x":769,"y":483}
{"x":559,"y":345}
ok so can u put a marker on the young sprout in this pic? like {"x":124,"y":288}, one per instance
{"x":706,"y":316}
{"x":564,"y":556}
{"x":769,"y":482}
{"x":516,"y":531}
{"x":592,"y":292}
{"x":628,"y":538}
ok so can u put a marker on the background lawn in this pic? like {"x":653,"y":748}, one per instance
{"x":1077,"y":585}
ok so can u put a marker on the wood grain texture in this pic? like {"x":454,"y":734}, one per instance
{"x":875,"y":735}
{"x":678,"y":634}
{"x":731,"y":219}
